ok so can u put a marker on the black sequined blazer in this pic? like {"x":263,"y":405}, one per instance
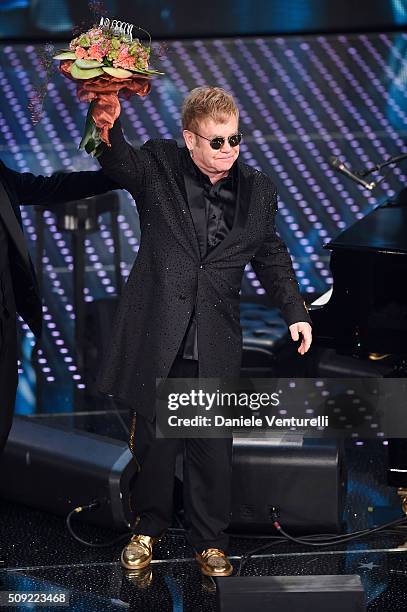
{"x":170,"y":278}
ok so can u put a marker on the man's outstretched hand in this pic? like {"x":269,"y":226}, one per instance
{"x":305,"y":329}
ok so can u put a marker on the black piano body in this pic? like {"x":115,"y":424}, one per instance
{"x":366,"y":314}
{"x":367,"y":311}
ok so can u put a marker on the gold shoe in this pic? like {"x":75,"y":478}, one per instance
{"x":214,"y":562}
{"x":138,"y":552}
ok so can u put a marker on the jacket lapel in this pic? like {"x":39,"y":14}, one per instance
{"x":244,"y":195}
{"x":170,"y":156}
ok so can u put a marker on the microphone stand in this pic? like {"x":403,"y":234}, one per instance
{"x":401,"y":199}
{"x":392,"y":160}
{"x":358,"y":175}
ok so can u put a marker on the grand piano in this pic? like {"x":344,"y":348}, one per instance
{"x":364,"y":315}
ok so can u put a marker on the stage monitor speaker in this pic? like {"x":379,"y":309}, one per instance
{"x":58,"y":470}
{"x":304,"y":479}
{"x":290,"y":594}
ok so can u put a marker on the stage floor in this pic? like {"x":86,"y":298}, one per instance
{"x":38,"y":553}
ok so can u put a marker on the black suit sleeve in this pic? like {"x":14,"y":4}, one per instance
{"x":124,"y":164}
{"x":273,"y":267}
{"x":59,"y":187}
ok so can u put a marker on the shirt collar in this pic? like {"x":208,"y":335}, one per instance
{"x":193,"y":169}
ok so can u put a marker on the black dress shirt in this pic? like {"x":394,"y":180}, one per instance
{"x":218,"y":202}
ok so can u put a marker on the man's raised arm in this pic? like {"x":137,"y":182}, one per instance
{"x":123,"y":163}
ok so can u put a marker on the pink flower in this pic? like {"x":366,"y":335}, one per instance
{"x":97,"y":52}
{"x":142,"y":60}
{"x":124,"y":59}
{"x":125,"y":63}
{"x":95,"y":33}
{"x":81,"y":53}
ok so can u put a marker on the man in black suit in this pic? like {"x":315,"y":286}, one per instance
{"x":18,"y":286}
{"x":204,"y":215}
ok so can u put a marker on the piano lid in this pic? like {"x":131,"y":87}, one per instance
{"x":383,"y":230}
{"x":367,"y":309}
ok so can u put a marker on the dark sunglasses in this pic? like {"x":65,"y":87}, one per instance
{"x":219,"y":141}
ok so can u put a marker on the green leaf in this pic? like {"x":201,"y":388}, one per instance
{"x":91,"y":141}
{"x":146,"y":72}
{"x":154,"y":72}
{"x":90,"y":128}
{"x":120,"y":73}
{"x":85,"y":64}
{"x":90,"y":145}
{"x":79,"y":73}
{"x":65,"y":55}
{"x":99,"y":150}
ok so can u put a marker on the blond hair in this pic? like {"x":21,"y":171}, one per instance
{"x":207,"y":103}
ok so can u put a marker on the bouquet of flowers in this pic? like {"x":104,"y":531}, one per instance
{"x":106,"y":62}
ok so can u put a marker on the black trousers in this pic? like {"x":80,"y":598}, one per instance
{"x":8,"y":373}
{"x":206,"y":482}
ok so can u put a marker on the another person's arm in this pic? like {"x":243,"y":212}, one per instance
{"x":59,"y":187}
